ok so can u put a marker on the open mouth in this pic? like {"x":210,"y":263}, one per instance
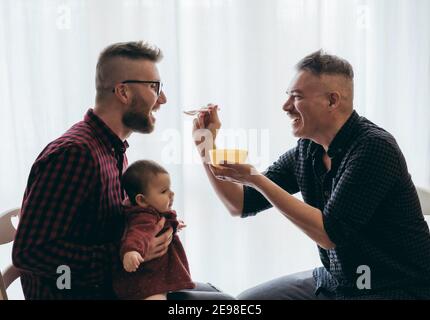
{"x":295,"y":121}
{"x":155,"y":109}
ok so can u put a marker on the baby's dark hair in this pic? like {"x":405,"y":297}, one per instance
{"x":136,"y":178}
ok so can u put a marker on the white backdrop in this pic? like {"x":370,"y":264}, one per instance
{"x":237,"y":53}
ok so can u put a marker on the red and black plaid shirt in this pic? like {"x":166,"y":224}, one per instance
{"x":71,"y":214}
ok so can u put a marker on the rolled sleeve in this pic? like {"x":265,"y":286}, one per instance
{"x":281,"y":172}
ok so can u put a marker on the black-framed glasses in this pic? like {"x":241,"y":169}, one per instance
{"x":158,"y":88}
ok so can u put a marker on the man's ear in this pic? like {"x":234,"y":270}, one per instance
{"x":123,"y":94}
{"x":140,"y":200}
{"x":334,"y":99}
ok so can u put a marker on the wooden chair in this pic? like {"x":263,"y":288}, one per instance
{"x":7,"y":235}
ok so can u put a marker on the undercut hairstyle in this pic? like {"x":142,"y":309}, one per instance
{"x":136,"y":178}
{"x":129,"y":50}
{"x":320,"y":63}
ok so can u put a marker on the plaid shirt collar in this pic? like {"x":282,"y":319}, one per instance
{"x":340,"y":142}
{"x":105,"y":134}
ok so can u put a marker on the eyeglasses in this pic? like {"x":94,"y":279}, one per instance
{"x":158,"y":88}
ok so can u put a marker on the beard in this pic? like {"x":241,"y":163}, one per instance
{"x":136,"y":119}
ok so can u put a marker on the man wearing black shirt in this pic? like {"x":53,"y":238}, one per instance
{"x":360,"y":205}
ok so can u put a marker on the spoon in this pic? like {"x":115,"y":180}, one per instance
{"x":194,"y":112}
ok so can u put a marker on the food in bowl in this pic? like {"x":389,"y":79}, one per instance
{"x":229,"y":156}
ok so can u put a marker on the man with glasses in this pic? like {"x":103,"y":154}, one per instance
{"x":360,"y":206}
{"x":71,"y":211}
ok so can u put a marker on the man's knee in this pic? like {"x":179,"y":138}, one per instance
{"x":203,"y":291}
{"x":297,"y":286}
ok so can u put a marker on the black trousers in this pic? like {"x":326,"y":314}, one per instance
{"x":202,"y":291}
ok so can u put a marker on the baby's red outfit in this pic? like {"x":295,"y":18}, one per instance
{"x":167,"y":273}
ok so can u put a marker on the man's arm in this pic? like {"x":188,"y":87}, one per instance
{"x":53,"y":197}
{"x":240,"y":200}
{"x":371,"y":172}
{"x":230,"y":193}
{"x":206,"y":126}
{"x":309,"y":219}
{"x":306,"y":217}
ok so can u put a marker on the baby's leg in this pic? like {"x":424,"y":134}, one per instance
{"x":160,"y":296}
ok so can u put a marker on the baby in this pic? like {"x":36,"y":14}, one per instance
{"x":147,"y":185}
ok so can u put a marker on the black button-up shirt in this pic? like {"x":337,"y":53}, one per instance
{"x":370,"y":211}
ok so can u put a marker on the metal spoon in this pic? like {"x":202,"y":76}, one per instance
{"x":194,"y":112}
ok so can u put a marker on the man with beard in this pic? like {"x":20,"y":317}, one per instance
{"x":71,"y":211}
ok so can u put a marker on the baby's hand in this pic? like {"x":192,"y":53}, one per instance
{"x":132,"y":260}
{"x":181,"y":225}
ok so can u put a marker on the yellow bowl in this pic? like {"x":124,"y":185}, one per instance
{"x":232,"y":156}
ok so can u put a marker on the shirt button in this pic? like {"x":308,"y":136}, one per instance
{"x":327,"y":193}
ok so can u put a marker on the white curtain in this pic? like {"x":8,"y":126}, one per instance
{"x":236,"y":53}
